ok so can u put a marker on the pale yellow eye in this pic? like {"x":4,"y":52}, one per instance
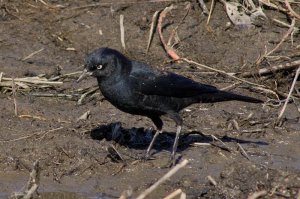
{"x":99,"y":67}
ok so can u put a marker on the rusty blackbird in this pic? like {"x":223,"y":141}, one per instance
{"x":140,"y":89}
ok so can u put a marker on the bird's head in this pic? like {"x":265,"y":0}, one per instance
{"x":104,"y":62}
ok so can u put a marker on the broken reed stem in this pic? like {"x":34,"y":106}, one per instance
{"x":203,"y":6}
{"x":292,"y":12}
{"x":170,"y":51}
{"x":174,"y":194}
{"x":266,"y":71}
{"x":289,"y":95}
{"x":221,"y":72}
{"x":32,"y":185}
{"x":163,"y":179}
{"x":258,"y":194}
{"x":174,"y":31}
{"x":32,"y":81}
{"x":29,"y":136}
{"x":244,"y":153}
{"x":290,"y":30}
{"x":285,"y":24}
{"x":210,"y":11}
{"x":32,"y":54}
{"x":122,"y":31}
{"x":14,"y":91}
{"x":152,"y":29}
{"x":268,"y":3}
{"x":212,"y":180}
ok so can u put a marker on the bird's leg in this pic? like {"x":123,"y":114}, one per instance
{"x":176,"y":117}
{"x":151,"y":143}
{"x":158,"y":123}
{"x":175,"y":144}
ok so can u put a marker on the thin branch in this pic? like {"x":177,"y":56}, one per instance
{"x":31,"y":135}
{"x":289,"y":95}
{"x":32,"y":54}
{"x":163,"y":179}
{"x":14,"y":91}
{"x":152,"y":29}
{"x":292,"y":12}
{"x":266,"y":71}
{"x":122,"y":31}
{"x":221,"y":72}
{"x":290,"y":30}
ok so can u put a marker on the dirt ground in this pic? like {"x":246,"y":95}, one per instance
{"x":75,"y":155}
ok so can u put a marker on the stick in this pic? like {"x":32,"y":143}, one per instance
{"x":65,"y":75}
{"x":122,"y":31}
{"x":79,"y":102}
{"x":29,"y":136}
{"x":292,"y":12}
{"x":69,"y":96}
{"x":163,"y":179}
{"x":203,"y":7}
{"x":173,"y":194}
{"x":152,"y":29}
{"x":289,"y":95}
{"x":268,"y":3}
{"x":32,"y":80}
{"x":266,"y":71}
{"x":258,"y":194}
{"x":212,"y":180}
{"x":170,"y":51}
{"x":14,"y":96}
{"x":210,"y":11}
{"x":290,"y":30}
{"x":32,"y":54}
{"x":244,"y":153}
{"x":285,"y":24}
{"x":221,"y":72}
{"x":120,"y":2}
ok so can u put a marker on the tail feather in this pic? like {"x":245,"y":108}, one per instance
{"x":227,"y":96}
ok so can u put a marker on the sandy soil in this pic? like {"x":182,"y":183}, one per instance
{"x":74,"y":157}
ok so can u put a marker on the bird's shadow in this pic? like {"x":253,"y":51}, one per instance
{"x":140,"y":138}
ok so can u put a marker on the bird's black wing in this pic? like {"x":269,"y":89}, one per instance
{"x":151,"y":82}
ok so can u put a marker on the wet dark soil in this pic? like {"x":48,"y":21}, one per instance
{"x":76,"y":157}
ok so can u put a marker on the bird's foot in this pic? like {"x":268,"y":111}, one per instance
{"x":147,"y":157}
{"x":173,"y":160}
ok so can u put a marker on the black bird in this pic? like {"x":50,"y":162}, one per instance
{"x":139,"y":89}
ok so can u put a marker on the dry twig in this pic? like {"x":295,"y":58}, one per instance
{"x":243,"y":152}
{"x":163,"y":179}
{"x":152,"y":29}
{"x":221,"y":72}
{"x":212,"y":180}
{"x":203,"y":7}
{"x":32,"y":54}
{"x":290,"y":30}
{"x":170,"y":51}
{"x":292,"y":12}
{"x":210,"y":11}
{"x":122,"y":31}
{"x":31,"y":135}
{"x":14,"y":91}
{"x":277,"y":68}
{"x":32,"y":185}
{"x":257,"y":194}
{"x":289,"y":95}
{"x":174,"y":194}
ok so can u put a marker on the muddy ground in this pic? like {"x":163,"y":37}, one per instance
{"x":73,"y":155}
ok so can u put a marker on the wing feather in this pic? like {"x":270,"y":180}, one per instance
{"x":152,"y":82}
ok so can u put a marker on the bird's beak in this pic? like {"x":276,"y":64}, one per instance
{"x":83,"y":75}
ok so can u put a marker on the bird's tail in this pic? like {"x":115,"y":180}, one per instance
{"x":227,"y":96}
